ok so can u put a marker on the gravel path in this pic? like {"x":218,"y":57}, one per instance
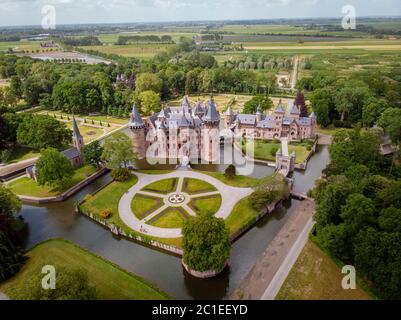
{"x":229,"y":196}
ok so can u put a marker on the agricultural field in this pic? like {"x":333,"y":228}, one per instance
{"x":140,"y":50}
{"x":20,"y":46}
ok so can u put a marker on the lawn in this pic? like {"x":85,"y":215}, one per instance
{"x":143,"y":205}
{"x":242,"y":215}
{"x":196,"y":186}
{"x":165,"y":186}
{"x":315,"y":276}
{"x":20,"y":153}
{"x":28,"y":187}
{"x":170,"y":218}
{"x":111,"y":281}
{"x":96,"y":118}
{"x":263,"y":151}
{"x":237,"y":181}
{"x":90,"y":133}
{"x":109,"y":198}
{"x":209,"y":204}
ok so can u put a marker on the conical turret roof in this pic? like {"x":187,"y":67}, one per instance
{"x":136,"y":120}
{"x":211,"y":115}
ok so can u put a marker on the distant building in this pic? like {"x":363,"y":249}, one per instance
{"x":73,"y":154}
{"x":178,"y":132}
{"x":272,"y":126}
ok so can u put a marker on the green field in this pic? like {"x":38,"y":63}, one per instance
{"x":315,"y":276}
{"x":242,"y":215}
{"x":109,"y":198}
{"x":209,"y":204}
{"x":195,"y":186}
{"x":140,"y":50}
{"x":142,"y":205}
{"x":28,"y":187}
{"x":170,"y":218}
{"x":162,"y":186}
{"x":263,"y":151}
{"x":111,"y":281}
{"x":237,"y":181}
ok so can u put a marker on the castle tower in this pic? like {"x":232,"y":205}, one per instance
{"x":285,"y":162}
{"x":259,"y":114}
{"x":138,"y":130}
{"x":77,"y":139}
{"x":229,"y":117}
{"x":211,"y":133}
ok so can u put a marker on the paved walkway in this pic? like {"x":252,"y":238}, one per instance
{"x":229,"y":196}
{"x":270,"y":271}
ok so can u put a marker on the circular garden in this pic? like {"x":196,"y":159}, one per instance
{"x":167,"y":203}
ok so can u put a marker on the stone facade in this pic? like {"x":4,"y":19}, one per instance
{"x":178,"y":132}
{"x":272,"y":126}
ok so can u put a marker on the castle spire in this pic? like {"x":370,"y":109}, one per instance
{"x":211,"y":115}
{"x":136,"y":120}
{"x":77,"y":138}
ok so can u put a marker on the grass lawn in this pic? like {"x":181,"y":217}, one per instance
{"x":315,"y":276}
{"x":194,"y":186}
{"x":170,"y":218}
{"x":165,"y":186}
{"x":206,"y":204}
{"x":20,"y":153}
{"x":242,"y":215}
{"x":237,"y":181}
{"x":263,"y":151}
{"x":28,"y":187}
{"x":330,"y":130}
{"x":143,"y":205}
{"x":90,"y":133}
{"x":108,"y":198}
{"x":111,"y":281}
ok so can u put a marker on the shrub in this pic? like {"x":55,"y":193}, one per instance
{"x":309,"y":148}
{"x":121,"y":174}
{"x":106,"y":213}
{"x":273,"y":151}
{"x":230,"y":172}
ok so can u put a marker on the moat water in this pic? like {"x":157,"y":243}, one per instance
{"x":59,"y":221}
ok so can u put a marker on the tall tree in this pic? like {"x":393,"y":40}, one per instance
{"x":118,"y":151}
{"x":53,"y":169}
{"x":301,"y":104}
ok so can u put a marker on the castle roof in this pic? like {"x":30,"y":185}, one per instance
{"x":211,"y":115}
{"x":259,"y":110}
{"x":229,"y":111}
{"x":136,"y":120}
{"x":162,"y":114}
{"x":184,"y":122}
{"x":304,"y":121}
{"x":249,"y":119}
{"x":279,"y":108}
{"x":267,"y":122}
{"x":295,"y":110}
{"x":198,"y":108}
{"x":312,"y":115}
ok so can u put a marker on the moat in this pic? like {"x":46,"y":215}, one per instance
{"x":60,"y":221}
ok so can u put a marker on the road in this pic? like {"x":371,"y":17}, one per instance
{"x":265,"y":278}
{"x":285,"y":268}
{"x":294,"y":75}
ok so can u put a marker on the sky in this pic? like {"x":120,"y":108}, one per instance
{"x":29,"y":12}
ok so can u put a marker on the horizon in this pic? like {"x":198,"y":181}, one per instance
{"x":21,"y":13}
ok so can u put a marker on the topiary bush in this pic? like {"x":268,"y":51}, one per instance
{"x":106,"y":213}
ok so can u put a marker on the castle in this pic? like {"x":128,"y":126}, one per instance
{"x":73,"y":154}
{"x":178,"y":132}
{"x":194,"y":131}
{"x":272,"y":126}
